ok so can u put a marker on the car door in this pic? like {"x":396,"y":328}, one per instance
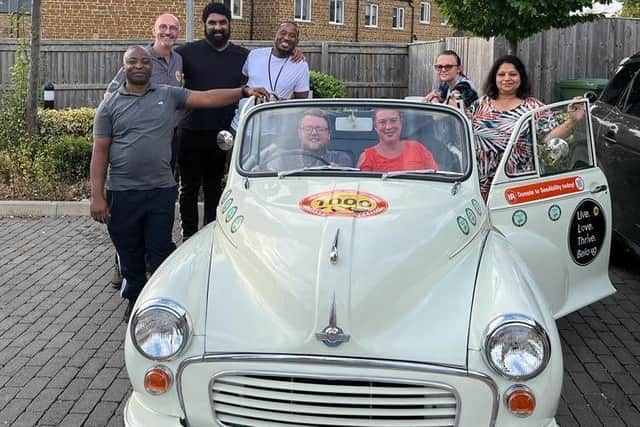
{"x":556,"y":212}
{"x":617,"y":130}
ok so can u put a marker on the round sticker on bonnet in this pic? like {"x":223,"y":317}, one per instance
{"x":344,"y":203}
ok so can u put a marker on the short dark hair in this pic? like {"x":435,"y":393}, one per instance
{"x":218,"y":8}
{"x":294,"y":24}
{"x":490,"y":87}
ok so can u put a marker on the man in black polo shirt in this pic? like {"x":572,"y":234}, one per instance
{"x":210,"y":63}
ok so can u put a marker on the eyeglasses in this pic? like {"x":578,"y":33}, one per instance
{"x":310,"y":129}
{"x":446,"y":67}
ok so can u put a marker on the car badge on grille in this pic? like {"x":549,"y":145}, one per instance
{"x":332,"y":335}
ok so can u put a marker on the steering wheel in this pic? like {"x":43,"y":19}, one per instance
{"x":294,"y":152}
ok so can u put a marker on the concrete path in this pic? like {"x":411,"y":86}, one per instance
{"x":61,"y":334}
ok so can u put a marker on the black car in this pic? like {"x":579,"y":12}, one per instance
{"x":616,"y":116}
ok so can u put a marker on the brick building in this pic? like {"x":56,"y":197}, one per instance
{"x":331,"y":20}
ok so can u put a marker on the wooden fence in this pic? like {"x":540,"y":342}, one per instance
{"x":590,"y":50}
{"x":81,"y":69}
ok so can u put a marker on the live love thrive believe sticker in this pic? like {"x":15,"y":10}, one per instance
{"x":519,"y":218}
{"x":463,"y":225}
{"x":351,"y":203}
{"x":586,"y":232}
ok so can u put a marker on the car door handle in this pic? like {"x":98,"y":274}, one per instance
{"x":599,"y":189}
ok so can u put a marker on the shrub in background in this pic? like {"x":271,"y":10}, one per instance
{"x":326,"y":86}
{"x":69,"y":158}
{"x":56,"y":124}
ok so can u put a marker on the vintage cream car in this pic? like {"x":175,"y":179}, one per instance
{"x":330,"y":295}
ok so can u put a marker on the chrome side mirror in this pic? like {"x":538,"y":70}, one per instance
{"x":225,"y":140}
{"x":591,"y":96}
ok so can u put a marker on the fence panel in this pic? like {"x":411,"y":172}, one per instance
{"x":81,"y":69}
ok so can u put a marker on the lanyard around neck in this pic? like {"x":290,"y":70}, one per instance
{"x":271,"y":85}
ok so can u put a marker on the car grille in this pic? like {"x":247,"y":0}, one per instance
{"x":265,"y":400}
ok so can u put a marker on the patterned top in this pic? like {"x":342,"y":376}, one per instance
{"x":492,"y":130}
{"x":414,"y":156}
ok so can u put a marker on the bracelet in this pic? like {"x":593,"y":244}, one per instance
{"x":244,"y":92}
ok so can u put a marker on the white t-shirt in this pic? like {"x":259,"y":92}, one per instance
{"x":278,"y":75}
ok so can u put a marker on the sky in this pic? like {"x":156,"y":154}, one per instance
{"x":608,"y":9}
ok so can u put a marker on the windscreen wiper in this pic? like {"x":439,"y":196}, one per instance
{"x":282,"y":174}
{"x":419,"y":171}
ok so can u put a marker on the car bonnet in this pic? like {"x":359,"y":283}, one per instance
{"x":295,"y":267}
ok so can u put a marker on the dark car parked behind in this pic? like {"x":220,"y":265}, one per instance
{"x":616,"y":116}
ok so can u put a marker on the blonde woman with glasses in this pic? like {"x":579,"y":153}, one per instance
{"x":453,"y":85}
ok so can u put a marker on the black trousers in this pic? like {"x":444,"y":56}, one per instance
{"x":201,"y":164}
{"x":140,"y":228}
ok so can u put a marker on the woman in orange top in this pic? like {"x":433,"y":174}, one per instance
{"x":392,"y":153}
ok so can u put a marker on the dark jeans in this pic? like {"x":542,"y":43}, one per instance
{"x":140,"y":228}
{"x":201,"y":163}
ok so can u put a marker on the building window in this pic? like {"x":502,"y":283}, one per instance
{"x":336,"y":11}
{"x":371,"y":15}
{"x":15,"y":6}
{"x":398,"y":18}
{"x":302,"y":10}
{"x":425,"y":12}
{"x":235,"y":6}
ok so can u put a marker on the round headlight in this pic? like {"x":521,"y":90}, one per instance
{"x":160,"y":329}
{"x":517,"y":347}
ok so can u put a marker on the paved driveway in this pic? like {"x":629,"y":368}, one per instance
{"x":61,"y":334}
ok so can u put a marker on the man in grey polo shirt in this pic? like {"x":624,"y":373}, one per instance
{"x":166,"y":69}
{"x":132,"y":133}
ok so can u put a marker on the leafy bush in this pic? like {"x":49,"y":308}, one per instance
{"x":55,"y":124}
{"x":13,"y":101}
{"x":326,"y":86}
{"x":69,"y":159}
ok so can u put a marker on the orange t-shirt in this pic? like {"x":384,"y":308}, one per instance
{"x":414,"y":156}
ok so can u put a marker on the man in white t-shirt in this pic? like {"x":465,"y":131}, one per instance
{"x":273,"y":69}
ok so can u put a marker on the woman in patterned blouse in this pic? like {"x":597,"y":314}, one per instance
{"x":494,"y":116}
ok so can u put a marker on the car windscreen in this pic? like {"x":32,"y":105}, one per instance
{"x":395,"y":140}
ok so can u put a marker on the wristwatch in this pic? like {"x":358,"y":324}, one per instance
{"x":244,"y":88}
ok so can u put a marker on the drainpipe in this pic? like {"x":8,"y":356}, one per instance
{"x":189,"y":11}
{"x":357,"y":19}
{"x":413,"y":11}
{"x":253,"y":19}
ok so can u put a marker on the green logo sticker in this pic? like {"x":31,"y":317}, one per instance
{"x":225,"y":196}
{"x":476,"y":206}
{"x":237,"y":222}
{"x":463,"y":225}
{"x":227,"y":204}
{"x":230,"y":214}
{"x":554,"y":212}
{"x":471,"y":216}
{"x":519,"y":218}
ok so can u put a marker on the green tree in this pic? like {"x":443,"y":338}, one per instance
{"x":31,"y":117}
{"x":514,"y":19}
{"x":630,"y":8}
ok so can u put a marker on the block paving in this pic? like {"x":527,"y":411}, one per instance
{"x":61,"y":334}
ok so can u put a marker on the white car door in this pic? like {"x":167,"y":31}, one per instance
{"x":556,"y":211}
